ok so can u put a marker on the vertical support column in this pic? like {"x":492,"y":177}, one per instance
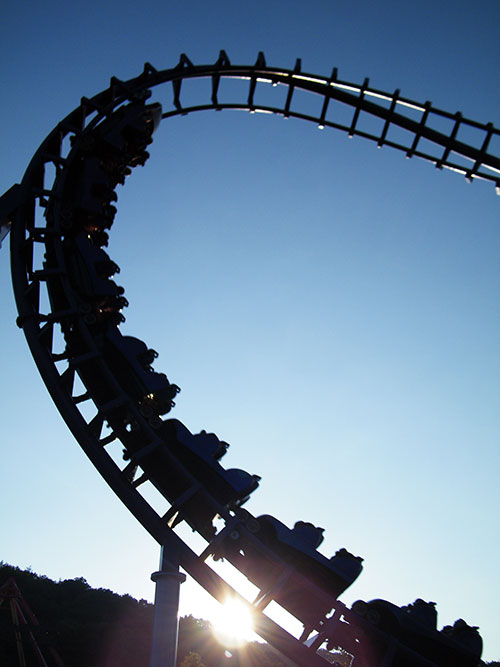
{"x":168,"y":581}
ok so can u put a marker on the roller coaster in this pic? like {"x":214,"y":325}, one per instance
{"x":116,"y":404}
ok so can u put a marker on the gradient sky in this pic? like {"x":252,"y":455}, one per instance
{"x":330,"y":309}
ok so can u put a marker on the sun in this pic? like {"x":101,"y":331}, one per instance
{"x":232,"y":623}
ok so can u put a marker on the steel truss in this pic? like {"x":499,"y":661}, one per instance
{"x":105,"y":420}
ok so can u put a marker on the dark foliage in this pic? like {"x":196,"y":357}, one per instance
{"x":196,"y":643}
{"x":97,"y":627}
{"x":86,"y":626}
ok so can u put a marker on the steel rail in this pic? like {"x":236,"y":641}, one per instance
{"x":21,"y":206}
{"x":36,"y":328}
{"x":361,"y":98}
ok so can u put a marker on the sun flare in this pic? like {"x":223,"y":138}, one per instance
{"x":233,"y":624}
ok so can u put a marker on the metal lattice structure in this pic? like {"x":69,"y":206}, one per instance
{"x":70,"y":312}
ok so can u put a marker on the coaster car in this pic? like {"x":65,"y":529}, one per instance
{"x":89,"y":269}
{"x":90,"y":190}
{"x":283,"y":562}
{"x":201,"y":454}
{"x":299,"y":547}
{"x":415,"y":627}
{"x":124,"y":134}
{"x":197,"y":500}
{"x":130,"y":362}
{"x":104,"y":159}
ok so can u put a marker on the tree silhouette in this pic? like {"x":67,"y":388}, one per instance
{"x":192,"y":660}
{"x":100,"y":628}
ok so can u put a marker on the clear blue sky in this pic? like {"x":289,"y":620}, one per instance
{"x":331,"y":310}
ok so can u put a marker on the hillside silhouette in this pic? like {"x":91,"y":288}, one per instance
{"x":90,"y":627}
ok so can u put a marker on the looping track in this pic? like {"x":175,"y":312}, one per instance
{"x":103,"y":415}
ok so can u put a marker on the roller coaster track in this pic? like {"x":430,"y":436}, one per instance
{"x":55,"y":249}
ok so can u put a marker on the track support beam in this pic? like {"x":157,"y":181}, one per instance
{"x":9,"y":202}
{"x":168,"y":581}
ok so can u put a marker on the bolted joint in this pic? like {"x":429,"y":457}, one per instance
{"x":163,"y":574}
